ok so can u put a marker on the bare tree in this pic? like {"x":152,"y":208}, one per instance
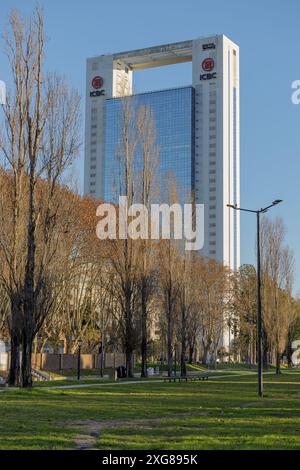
{"x":169,"y":275}
{"x":124,"y":256}
{"x":188,"y":323}
{"x":40,"y":142}
{"x":80,"y":290}
{"x":147,"y":271}
{"x":278,"y":265}
{"x":169,"y":288}
{"x":244,"y":310}
{"x":212,"y":295}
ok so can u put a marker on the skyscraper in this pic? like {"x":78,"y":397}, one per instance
{"x":197,"y":129}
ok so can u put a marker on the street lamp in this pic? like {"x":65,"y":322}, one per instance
{"x":78,"y":358}
{"x":259,"y":315}
{"x":101,"y":357}
{"x":175,"y":360}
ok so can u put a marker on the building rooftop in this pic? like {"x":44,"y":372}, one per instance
{"x":156,"y":56}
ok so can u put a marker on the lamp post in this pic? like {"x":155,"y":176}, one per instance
{"x":78,"y":358}
{"x":175,"y":360}
{"x":259,"y":314}
{"x":101,"y":356}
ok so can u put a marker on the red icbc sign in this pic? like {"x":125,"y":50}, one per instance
{"x":208,"y":64}
{"x":97,"y":82}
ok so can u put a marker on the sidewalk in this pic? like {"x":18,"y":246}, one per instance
{"x":136,"y":382}
{"x":128,"y":382}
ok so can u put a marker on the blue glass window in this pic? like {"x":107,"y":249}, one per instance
{"x":173,"y":116}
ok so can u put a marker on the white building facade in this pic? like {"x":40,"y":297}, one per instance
{"x":216,"y":149}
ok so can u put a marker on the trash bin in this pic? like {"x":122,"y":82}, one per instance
{"x":123,"y":372}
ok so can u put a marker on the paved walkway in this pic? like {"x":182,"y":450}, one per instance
{"x":129,"y":382}
{"x":136,"y":382}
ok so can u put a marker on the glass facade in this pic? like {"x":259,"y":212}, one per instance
{"x":173,"y":116}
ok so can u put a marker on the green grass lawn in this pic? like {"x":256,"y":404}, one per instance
{"x":216,"y":414}
{"x":92,"y":379}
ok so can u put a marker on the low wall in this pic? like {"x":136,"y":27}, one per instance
{"x":56,"y":362}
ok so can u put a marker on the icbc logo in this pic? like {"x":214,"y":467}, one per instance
{"x":208,"y":64}
{"x":97,"y":82}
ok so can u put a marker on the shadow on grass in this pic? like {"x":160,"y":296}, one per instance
{"x":234,"y":418}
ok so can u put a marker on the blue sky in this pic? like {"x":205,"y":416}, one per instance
{"x":268,"y":34}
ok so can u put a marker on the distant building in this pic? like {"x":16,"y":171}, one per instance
{"x":2,"y":92}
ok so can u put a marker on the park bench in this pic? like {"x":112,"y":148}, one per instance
{"x":199,"y":377}
{"x":185,"y":379}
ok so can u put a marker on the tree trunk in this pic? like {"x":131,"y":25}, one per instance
{"x":278,"y":358}
{"x":254,"y":346}
{"x":14,"y":367}
{"x":265,"y":350}
{"x":29,"y":281}
{"x":191,"y":352}
{"x":26,"y":376}
{"x":68,"y":344}
{"x":182,"y":359}
{"x":205,"y":354}
{"x":129,"y":363}
{"x":15,"y":342}
{"x":128,"y":333}
{"x":289,"y":350}
{"x":170,"y":361}
{"x":144,"y":372}
{"x":169,"y":344}
{"x":144,"y":367}
{"x":162,"y":358}
{"x":183,"y":343}
{"x":212,"y":361}
{"x":195,"y":357}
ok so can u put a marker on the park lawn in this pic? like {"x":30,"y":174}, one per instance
{"x":216,"y":414}
{"x":71,"y":380}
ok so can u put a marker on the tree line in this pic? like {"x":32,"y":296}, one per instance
{"x":58,"y":281}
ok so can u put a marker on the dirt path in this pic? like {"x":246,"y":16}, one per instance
{"x":91,"y":429}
